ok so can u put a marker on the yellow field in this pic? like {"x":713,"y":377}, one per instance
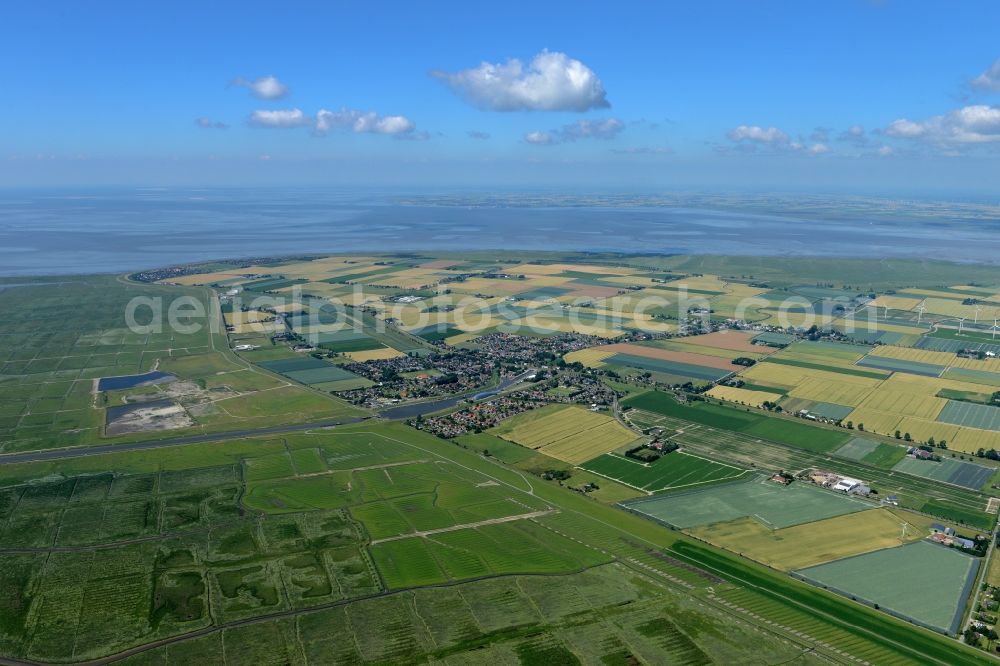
{"x":914,"y":354}
{"x":970,"y":440}
{"x":954,"y":308}
{"x":743,"y":396}
{"x":813,"y":384}
{"x":568,"y":433}
{"x":801,"y":546}
{"x":252,"y":321}
{"x":883,"y":423}
{"x":895,"y":399}
{"x":923,"y":429}
{"x":988,"y":364}
{"x":590,"y":357}
{"x":896,"y":302}
{"x":373,"y":354}
{"x":824,"y":389}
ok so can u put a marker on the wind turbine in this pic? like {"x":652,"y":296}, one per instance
{"x":920,"y":310}
{"x":960,"y":322}
{"x":979,"y":308}
{"x":995,"y":328}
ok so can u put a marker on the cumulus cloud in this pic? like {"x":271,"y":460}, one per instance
{"x":208,"y":123}
{"x":263,"y":87}
{"x":750,"y":137}
{"x":279,"y":118}
{"x":968,"y":126}
{"x":772,"y":136}
{"x":885,"y":151}
{"x":476,"y":134}
{"x":325,"y":121}
{"x":607,"y":128}
{"x":552,"y":81}
{"x":362,"y":122}
{"x":990,"y":79}
{"x":540,"y":138}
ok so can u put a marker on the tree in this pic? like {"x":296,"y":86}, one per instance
{"x":861,"y":427}
{"x":906,"y":437}
{"x":850,"y":425}
{"x":930,"y":441}
{"x":898,"y":435}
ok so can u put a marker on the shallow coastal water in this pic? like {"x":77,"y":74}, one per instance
{"x":61,"y":232}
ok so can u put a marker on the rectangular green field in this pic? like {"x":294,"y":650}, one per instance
{"x":672,"y":471}
{"x":774,"y":505}
{"x":899,"y":365}
{"x":825,"y":368}
{"x":330,"y":373}
{"x":983,"y":377}
{"x":800,"y":435}
{"x":871,"y":452}
{"x":923,"y":581}
{"x":949,"y":470}
{"x":970,"y":415}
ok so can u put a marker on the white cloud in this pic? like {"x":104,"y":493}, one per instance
{"x":264,"y":87}
{"x":750,"y":137}
{"x":885,"y":151}
{"x":208,"y":123}
{"x":990,"y":79}
{"x":606,"y":128}
{"x":551,"y":82}
{"x":540,"y":138}
{"x":279,"y":118}
{"x":352,"y":120}
{"x":772,"y":136}
{"x":362,"y":122}
{"x":968,"y":126}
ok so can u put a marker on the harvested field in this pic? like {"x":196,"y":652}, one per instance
{"x":820,"y":541}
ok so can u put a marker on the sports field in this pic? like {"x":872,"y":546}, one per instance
{"x":672,"y":471}
{"x":820,"y":541}
{"x":949,"y":470}
{"x":773,"y":505}
{"x":923,"y":580}
{"x":568,"y":433}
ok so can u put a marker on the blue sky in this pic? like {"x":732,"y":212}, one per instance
{"x":860,"y":96}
